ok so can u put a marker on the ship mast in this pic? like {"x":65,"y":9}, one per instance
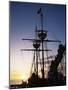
{"x":42,"y":35}
{"x":40,"y":38}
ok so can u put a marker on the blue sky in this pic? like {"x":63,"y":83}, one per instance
{"x":23,"y":20}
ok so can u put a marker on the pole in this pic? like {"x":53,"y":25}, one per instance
{"x":41,"y":15}
{"x":42,"y":60}
{"x":42,"y":45}
{"x":37,"y":61}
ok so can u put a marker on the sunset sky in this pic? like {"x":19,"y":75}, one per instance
{"x":23,"y":20}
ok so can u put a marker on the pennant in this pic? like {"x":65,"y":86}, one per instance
{"x":39,"y":11}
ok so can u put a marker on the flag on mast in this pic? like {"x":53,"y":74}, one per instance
{"x":39,"y":11}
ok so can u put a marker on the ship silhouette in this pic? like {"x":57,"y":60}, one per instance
{"x":54,"y":78}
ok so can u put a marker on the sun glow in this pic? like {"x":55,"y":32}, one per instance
{"x":17,"y":76}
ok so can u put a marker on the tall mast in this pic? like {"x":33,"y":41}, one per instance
{"x":42,"y":36}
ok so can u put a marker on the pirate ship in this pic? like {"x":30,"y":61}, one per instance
{"x":39,"y":62}
{"x":53,"y":78}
